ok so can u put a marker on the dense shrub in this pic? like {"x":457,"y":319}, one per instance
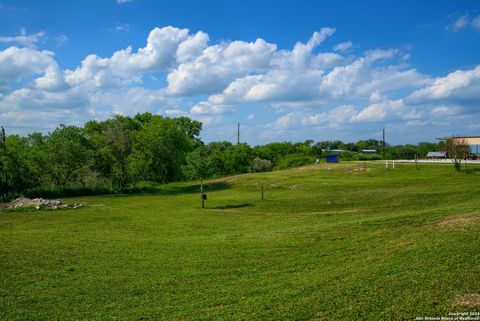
{"x":369,"y":157}
{"x":261,"y":165}
{"x":114,"y":155}
{"x":5,"y":198}
{"x":295,"y":161}
{"x":347,"y":156}
{"x":56,"y":192}
{"x":85,"y":191}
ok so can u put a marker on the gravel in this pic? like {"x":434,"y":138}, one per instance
{"x":39,"y":203}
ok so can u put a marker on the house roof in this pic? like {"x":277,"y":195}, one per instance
{"x":436,"y":154}
{"x":469,"y":140}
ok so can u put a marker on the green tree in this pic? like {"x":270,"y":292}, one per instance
{"x":16,"y":162}
{"x":238,"y":158}
{"x":457,"y":150}
{"x":69,"y":155}
{"x":199,"y":164}
{"x":161,"y":146}
{"x":191,"y":128}
{"x":113,"y":145}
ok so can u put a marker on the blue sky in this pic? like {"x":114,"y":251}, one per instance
{"x":286,"y":70}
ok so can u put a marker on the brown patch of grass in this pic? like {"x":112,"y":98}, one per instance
{"x":230,"y":179}
{"x":313,"y":167}
{"x":361,"y":169}
{"x":471,"y":300}
{"x":459,"y":221}
{"x":330,"y":212}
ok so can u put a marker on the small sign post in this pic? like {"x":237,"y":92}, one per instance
{"x":201,"y":193}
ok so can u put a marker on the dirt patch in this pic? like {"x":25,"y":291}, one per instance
{"x":229,"y":180}
{"x":361,"y":169}
{"x":312,"y":167}
{"x":296,"y":187}
{"x":276,"y":185}
{"x":459,"y":221}
{"x":471,"y":300}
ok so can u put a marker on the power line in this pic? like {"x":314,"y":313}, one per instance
{"x":26,"y":127}
{"x":231,"y":137}
{"x":218,"y":126}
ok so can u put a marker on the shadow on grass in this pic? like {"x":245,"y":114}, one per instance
{"x":473,"y":170}
{"x":193,"y":189}
{"x":167,"y":189}
{"x":229,"y":206}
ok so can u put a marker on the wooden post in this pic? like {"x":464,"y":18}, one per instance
{"x":416,"y":165}
{"x":383,"y":138}
{"x":201,"y":192}
{"x":262,"y":192}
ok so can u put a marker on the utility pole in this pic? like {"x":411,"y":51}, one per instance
{"x":238,"y":134}
{"x":5,"y":173}
{"x":383,"y":139}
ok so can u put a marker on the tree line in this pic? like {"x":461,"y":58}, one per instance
{"x":117,"y":154}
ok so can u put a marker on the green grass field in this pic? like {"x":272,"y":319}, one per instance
{"x":329,"y":242}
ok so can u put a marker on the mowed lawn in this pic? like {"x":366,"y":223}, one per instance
{"x":328,"y":242}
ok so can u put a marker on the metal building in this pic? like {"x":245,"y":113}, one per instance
{"x":472,"y":141}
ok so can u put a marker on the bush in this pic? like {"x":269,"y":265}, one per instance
{"x":261,"y":165}
{"x":56,"y":192}
{"x":369,"y":157}
{"x":9,"y":197}
{"x":50,"y":193}
{"x":347,"y":156}
{"x":294,"y":161}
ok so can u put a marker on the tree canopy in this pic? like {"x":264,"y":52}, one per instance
{"x":118,"y":153}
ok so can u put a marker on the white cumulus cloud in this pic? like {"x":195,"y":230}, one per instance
{"x":310,"y":86}
{"x":460,"y":87}
{"x":24,"y":39}
{"x":125,"y":66}
{"x":218,"y":65}
{"x":343,"y":46}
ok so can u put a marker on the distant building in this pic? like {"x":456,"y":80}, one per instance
{"x":336,"y":151}
{"x":436,"y":155}
{"x":332,"y":158}
{"x":472,"y":141}
{"x":369,"y":151}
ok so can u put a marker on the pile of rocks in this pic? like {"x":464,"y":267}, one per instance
{"x":41,"y":203}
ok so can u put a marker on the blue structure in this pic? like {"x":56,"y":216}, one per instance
{"x":332,"y":158}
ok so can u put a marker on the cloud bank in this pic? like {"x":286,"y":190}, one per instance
{"x":179,"y":72}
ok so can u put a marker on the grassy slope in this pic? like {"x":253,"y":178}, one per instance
{"x":328,"y":242}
